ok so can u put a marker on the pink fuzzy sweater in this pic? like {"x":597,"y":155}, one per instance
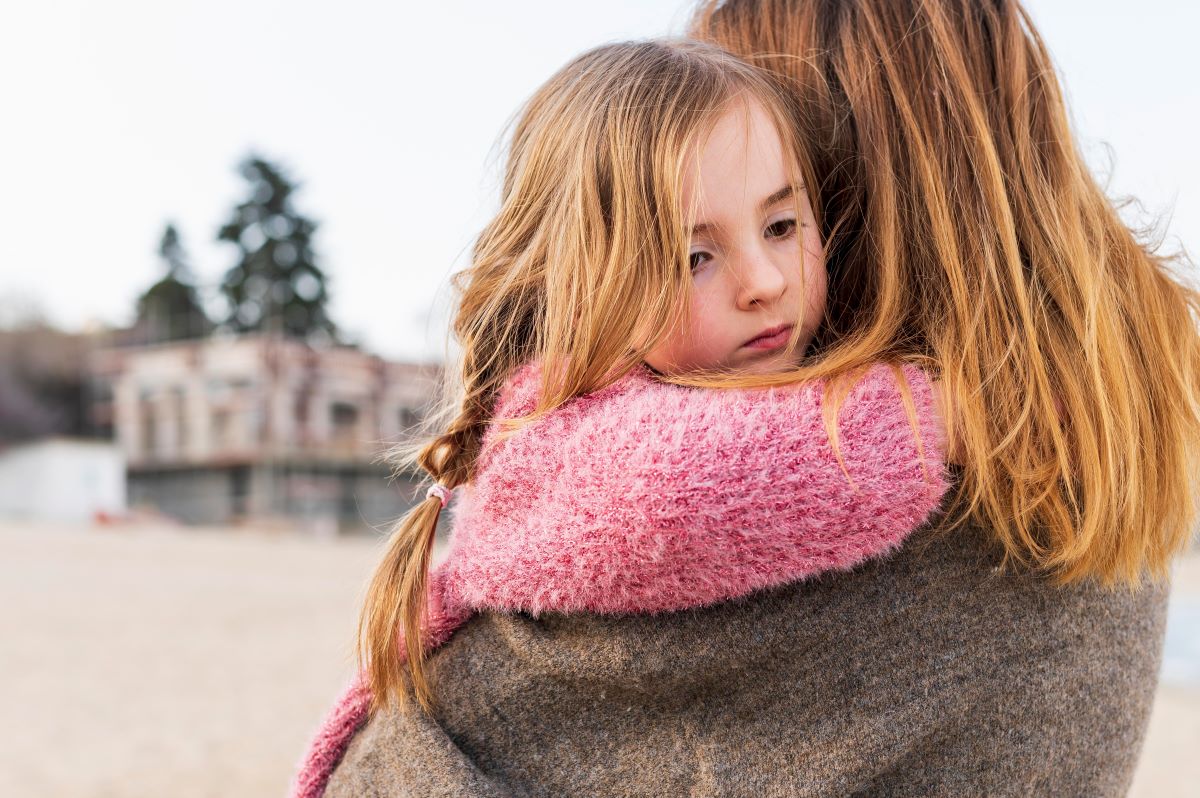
{"x":649,"y":497}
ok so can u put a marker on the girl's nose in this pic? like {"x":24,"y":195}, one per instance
{"x":759,"y":280}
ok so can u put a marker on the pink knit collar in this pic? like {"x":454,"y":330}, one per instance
{"x":649,"y":497}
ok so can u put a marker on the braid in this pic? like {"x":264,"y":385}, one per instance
{"x":396,"y":599}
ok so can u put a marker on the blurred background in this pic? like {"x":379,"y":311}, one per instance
{"x":228,"y":232}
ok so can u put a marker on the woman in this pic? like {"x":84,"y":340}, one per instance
{"x":962,"y":222}
{"x":997,"y":652}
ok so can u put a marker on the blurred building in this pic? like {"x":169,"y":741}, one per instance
{"x":42,"y":383}
{"x":261,"y":428}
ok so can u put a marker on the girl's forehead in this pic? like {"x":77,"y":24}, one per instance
{"x":742,"y":135}
{"x":740,"y":168}
{"x":746,"y":121}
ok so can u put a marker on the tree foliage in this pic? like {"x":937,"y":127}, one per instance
{"x":171,"y":310}
{"x":276,"y":284}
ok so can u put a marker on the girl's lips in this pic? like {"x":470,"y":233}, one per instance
{"x":771,"y":341}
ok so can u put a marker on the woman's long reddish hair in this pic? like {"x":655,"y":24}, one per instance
{"x":963,"y":224}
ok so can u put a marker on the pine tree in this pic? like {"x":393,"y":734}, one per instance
{"x":276,"y":285}
{"x":170,"y":310}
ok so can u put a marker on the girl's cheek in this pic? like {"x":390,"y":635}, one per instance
{"x":812,"y":243}
{"x":701,"y":304}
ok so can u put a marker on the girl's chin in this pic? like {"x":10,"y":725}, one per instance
{"x":768,"y":362}
{"x":773,"y":361}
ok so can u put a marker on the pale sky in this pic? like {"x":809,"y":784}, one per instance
{"x":121,"y":115}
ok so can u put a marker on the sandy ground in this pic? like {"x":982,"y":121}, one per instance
{"x":156,"y":661}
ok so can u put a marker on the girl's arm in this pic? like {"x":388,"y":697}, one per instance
{"x":647,"y":496}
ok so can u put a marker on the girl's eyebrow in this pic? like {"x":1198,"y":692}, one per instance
{"x":774,"y":199}
{"x":779,"y":196}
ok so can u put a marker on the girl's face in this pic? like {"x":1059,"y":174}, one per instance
{"x":751,"y":225}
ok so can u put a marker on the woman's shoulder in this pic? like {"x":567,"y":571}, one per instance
{"x":1021,"y":682}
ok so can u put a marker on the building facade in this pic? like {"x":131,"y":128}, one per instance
{"x":262,"y":429}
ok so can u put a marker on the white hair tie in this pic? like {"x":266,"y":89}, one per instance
{"x":439,"y":490}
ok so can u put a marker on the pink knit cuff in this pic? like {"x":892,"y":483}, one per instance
{"x":332,"y":739}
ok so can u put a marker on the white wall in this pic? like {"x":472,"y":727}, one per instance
{"x":62,"y":480}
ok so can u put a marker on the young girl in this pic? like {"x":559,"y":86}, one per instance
{"x":655,"y":237}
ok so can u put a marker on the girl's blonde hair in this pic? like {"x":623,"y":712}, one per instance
{"x":962,"y":223}
{"x":584,"y":268}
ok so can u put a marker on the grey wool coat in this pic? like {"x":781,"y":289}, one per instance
{"x":924,"y":673}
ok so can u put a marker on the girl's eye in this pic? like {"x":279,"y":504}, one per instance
{"x":781,"y":229}
{"x":698,"y":259}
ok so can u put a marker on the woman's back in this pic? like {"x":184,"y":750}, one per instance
{"x":925,"y":673}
